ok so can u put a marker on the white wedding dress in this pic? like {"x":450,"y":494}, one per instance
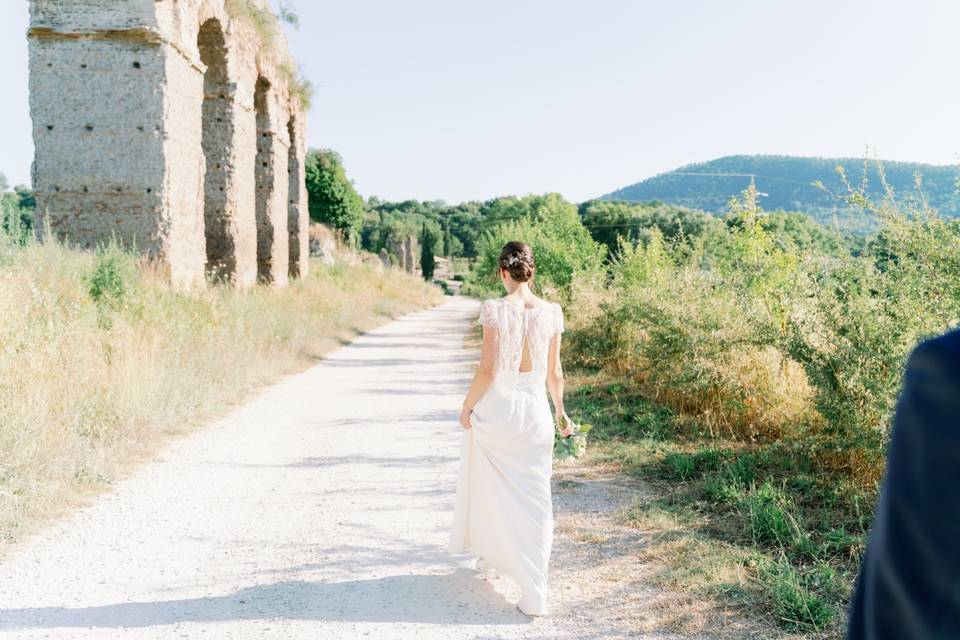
{"x":503,"y":513}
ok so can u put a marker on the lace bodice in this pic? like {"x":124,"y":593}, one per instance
{"x":539,"y":324}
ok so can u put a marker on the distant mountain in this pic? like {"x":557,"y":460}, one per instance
{"x":787,"y":182}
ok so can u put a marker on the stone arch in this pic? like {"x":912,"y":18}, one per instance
{"x":150,"y":86}
{"x":208,"y":10}
{"x":217,"y":143}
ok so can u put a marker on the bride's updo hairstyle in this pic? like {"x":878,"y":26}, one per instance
{"x":517,"y":259}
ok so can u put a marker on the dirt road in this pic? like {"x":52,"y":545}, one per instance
{"x":318,"y":510}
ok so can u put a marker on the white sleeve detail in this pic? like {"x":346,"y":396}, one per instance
{"x":488,"y":314}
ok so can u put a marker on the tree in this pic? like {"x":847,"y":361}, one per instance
{"x":16,"y":210}
{"x":330,"y":195}
{"x":428,"y":241}
{"x":803,"y":232}
{"x":609,"y":220}
{"x":447,"y":240}
{"x":551,"y":226}
{"x":26,"y":197}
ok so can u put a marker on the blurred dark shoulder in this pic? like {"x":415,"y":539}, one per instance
{"x":942,"y":350}
{"x":934,"y":366}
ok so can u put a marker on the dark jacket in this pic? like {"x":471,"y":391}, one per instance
{"x":909,"y":582}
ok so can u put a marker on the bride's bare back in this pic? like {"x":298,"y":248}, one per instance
{"x":523,"y":334}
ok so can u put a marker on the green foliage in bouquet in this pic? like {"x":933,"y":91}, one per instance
{"x":572,"y":446}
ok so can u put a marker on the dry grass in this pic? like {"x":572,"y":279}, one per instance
{"x":751,"y":393}
{"x":632,"y":568}
{"x":299,"y":84}
{"x":88,"y":389}
{"x":261,"y":20}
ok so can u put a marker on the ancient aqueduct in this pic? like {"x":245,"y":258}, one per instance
{"x":174,"y":126}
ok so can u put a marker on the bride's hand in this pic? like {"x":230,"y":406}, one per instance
{"x":465,"y":417}
{"x":563,"y":418}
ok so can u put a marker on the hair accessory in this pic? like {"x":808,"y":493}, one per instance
{"x":512,"y":260}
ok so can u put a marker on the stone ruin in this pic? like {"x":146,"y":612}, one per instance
{"x":174,"y":126}
{"x":407,"y":252}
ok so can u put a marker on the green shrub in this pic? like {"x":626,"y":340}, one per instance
{"x":767,"y":513}
{"x":654,"y":422}
{"x":112,"y":281}
{"x":801,"y":598}
{"x":720,"y":488}
{"x":680,"y":465}
{"x":743,"y":469}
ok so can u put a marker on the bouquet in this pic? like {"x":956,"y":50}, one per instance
{"x":572,"y":446}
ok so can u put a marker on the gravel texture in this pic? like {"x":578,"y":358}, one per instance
{"x":320,"y":509}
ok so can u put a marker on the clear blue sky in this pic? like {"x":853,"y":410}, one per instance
{"x":433,"y":99}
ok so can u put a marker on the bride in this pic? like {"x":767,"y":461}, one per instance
{"x":503,"y":513}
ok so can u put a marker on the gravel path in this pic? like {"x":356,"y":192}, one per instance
{"x":320,"y":509}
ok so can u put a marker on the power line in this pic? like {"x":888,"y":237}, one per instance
{"x":737,"y":175}
{"x":637,"y":224}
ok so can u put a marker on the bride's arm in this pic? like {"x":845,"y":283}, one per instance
{"x":555,"y":382}
{"x":483,"y":375}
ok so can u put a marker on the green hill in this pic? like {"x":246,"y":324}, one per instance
{"x":787,"y":183}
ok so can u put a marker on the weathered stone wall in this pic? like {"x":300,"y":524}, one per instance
{"x":407,"y":251}
{"x":412,"y":255}
{"x":299,"y":215}
{"x":272,"y":179}
{"x":146,"y":129}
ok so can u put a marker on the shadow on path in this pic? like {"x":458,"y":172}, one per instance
{"x":400,"y":598}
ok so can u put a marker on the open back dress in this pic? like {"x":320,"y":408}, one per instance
{"x":503,"y":512}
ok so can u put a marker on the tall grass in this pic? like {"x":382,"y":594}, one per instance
{"x":100,"y":360}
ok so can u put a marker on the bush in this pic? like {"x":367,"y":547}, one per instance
{"x":112,"y":281}
{"x":680,"y":465}
{"x":699,"y":328}
{"x":766,"y":511}
{"x":802,"y":597}
{"x":866,"y":313}
{"x":721,"y":489}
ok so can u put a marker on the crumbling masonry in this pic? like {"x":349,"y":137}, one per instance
{"x":172,"y":126}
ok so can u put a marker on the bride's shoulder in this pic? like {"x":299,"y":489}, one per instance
{"x":489,"y":312}
{"x":553,"y":306}
{"x":558,"y":320}
{"x":550,"y":309}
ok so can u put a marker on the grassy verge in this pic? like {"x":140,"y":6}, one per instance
{"x":763,"y":528}
{"x":101,"y":362}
